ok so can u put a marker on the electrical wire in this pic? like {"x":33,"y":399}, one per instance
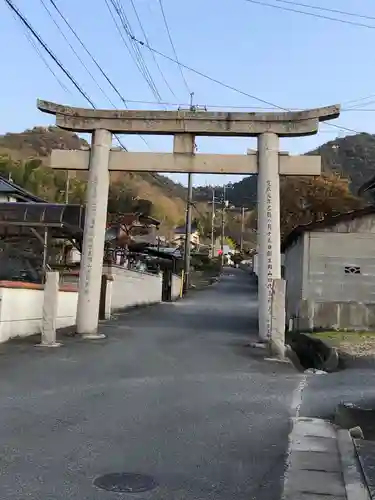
{"x":139,"y":56}
{"x":230,"y":87}
{"x":312,"y":14}
{"x":133,"y":50}
{"x":76,"y":53}
{"x":207,"y":77}
{"x":242,"y":107}
{"x":172,"y":44}
{"x":326,"y":9}
{"x":152,"y":53}
{"x":44,"y":60}
{"x":26,"y":23}
{"x":104,"y":74}
{"x":81,"y":91}
{"x":98,"y":66}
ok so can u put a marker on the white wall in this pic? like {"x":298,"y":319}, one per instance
{"x":21,"y":311}
{"x":176,"y":286}
{"x":21,"y":308}
{"x":132,"y":288}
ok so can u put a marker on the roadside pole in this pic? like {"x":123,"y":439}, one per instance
{"x":242,"y":227}
{"x":189,"y":203}
{"x":213,"y":225}
{"x":188,"y":234}
{"x":222,"y":233}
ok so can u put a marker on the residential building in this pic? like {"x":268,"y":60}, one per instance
{"x":10,"y":192}
{"x":180,"y":231}
{"x":329,"y":269}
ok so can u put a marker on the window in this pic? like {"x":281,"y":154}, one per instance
{"x":352,"y":270}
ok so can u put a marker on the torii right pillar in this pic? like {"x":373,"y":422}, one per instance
{"x":269,"y":243}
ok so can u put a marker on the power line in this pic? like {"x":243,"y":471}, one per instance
{"x":230,"y":87}
{"x":326,"y":9}
{"x":132,"y":55}
{"x":172,"y":44}
{"x":133,"y":50}
{"x":105,"y":75}
{"x":76,"y":53}
{"x":320,"y":16}
{"x":232,"y":106}
{"x":207,"y":77}
{"x":152,"y":53}
{"x":138,"y":53}
{"x":356,"y":102}
{"x":26,"y":23}
{"x":44,"y":60}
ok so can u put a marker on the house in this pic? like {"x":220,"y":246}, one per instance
{"x":368,"y":188}
{"x":329,"y":268}
{"x":10,"y":192}
{"x":180,"y":231}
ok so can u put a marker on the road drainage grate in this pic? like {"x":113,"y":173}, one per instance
{"x":123,"y":482}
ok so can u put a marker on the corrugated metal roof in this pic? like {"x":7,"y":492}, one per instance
{"x":323,"y":223}
{"x":7,"y":187}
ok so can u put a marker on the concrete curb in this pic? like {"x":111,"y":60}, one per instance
{"x":322,"y":463}
{"x":355,"y":485}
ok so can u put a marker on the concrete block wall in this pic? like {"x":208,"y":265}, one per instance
{"x":335,"y":315}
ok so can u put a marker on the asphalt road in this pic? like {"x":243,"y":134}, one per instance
{"x":173,"y":392}
{"x":323,"y":393}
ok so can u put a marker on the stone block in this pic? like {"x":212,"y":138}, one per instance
{"x":317,"y":444}
{"x":315,"y":482}
{"x":315,"y":461}
{"x":278,"y":319}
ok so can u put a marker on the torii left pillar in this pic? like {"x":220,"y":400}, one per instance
{"x":93,"y":239}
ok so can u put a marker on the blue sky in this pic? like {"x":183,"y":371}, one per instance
{"x":289,"y":59}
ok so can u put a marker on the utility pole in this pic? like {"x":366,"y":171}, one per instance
{"x":67,"y":187}
{"x":213,"y":225}
{"x":188,"y":234}
{"x":242,"y":226}
{"x":225,"y":204}
{"x":222,"y":233}
{"x":188,"y":221}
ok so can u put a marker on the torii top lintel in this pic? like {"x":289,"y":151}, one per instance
{"x":198,"y":123}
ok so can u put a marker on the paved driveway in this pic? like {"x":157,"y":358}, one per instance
{"x":173,"y":392}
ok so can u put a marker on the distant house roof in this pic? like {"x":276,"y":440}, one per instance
{"x":134,"y":219}
{"x":367,"y":186}
{"x":324,"y":223}
{"x":20,"y":194}
{"x":182,"y":229}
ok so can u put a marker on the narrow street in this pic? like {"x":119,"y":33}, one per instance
{"x":173,"y":393}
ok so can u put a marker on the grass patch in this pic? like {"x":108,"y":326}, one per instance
{"x":347,"y":337}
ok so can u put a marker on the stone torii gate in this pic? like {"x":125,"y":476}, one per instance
{"x":184,"y":125}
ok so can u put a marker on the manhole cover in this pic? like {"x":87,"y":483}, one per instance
{"x":123,"y":482}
